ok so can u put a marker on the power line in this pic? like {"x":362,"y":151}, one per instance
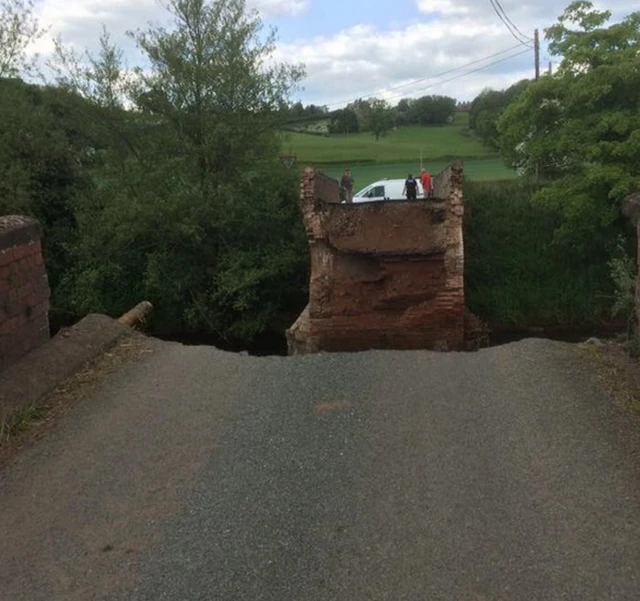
{"x":420,"y":80}
{"x":459,"y":75}
{"x":501,"y":15}
{"x":472,"y":71}
{"x":506,"y":16}
{"x":494,"y":5}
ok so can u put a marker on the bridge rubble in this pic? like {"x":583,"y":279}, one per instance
{"x":384,"y":275}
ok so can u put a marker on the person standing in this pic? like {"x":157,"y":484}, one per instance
{"x":427,"y":185}
{"x":346,"y":184}
{"x":411,"y":188}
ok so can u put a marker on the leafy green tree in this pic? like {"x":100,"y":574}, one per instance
{"x":18,"y":29}
{"x":581,"y":127}
{"x":402,"y":112}
{"x":344,"y":121}
{"x":210,"y":80}
{"x":100,"y":78}
{"x":197,"y":215}
{"x":487,"y":108}
{"x":381,"y":117}
{"x":432,"y":110}
{"x":362,"y":109}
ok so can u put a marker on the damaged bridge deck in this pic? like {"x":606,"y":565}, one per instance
{"x":384,"y":275}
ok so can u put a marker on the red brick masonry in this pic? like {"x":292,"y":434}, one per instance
{"x":384,"y":275}
{"x":24,"y":289}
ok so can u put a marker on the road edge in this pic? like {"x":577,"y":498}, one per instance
{"x":40,"y":372}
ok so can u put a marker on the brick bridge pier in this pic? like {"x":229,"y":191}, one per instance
{"x":384,"y":275}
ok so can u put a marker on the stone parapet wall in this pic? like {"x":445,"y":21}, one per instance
{"x":24,"y":289}
{"x":383,"y":274}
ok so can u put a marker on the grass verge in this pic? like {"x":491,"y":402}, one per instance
{"x":28,"y":424}
{"x":19,"y":421}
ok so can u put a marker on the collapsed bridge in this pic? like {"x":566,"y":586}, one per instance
{"x":384,"y":275}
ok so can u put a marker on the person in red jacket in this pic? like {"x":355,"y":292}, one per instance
{"x":425,"y":178}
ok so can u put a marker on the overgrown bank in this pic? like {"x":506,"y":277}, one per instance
{"x":522,"y":271}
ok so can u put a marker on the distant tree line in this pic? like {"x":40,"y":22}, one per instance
{"x":378,"y":116}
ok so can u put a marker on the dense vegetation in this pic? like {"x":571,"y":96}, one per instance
{"x":578,"y":134}
{"x":166,"y":186}
{"x":517,"y":271}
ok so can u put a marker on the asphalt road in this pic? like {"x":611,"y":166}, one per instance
{"x":201,"y":475}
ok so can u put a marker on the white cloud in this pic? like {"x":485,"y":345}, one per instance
{"x":79,"y":21}
{"x":277,"y":8}
{"x":365,"y":60}
{"x":358,"y":61}
{"x":445,"y":7}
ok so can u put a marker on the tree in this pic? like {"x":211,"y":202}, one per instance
{"x":381,"y":117}
{"x":344,"y":121}
{"x":432,"y":110}
{"x":205,"y":224}
{"x":362,"y":109}
{"x":99,"y":79}
{"x":18,"y":29}
{"x":487,"y":108}
{"x":403,"y":112}
{"x":213,"y":83}
{"x":581,"y":127}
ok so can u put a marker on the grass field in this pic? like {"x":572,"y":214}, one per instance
{"x":398,"y":153}
{"x":403,"y":144}
{"x":476,"y":169}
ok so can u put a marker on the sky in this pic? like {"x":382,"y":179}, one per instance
{"x":358,"y":48}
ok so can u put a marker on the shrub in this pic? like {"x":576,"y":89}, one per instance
{"x":518,"y":272}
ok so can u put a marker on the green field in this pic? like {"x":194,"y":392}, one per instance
{"x":476,"y":169}
{"x":398,"y":153}
{"x":403,"y":144}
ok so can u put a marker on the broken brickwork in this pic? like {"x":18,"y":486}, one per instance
{"x":384,"y":275}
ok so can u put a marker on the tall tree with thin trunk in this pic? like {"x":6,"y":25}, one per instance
{"x":214,"y":80}
{"x":18,"y":29}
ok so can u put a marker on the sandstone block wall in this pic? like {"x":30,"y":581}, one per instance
{"x":385,"y":275}
{"x":24,"y":289}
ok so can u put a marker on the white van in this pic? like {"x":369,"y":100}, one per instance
{"x":388,"y":189}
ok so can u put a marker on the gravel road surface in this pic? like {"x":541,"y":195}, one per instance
{"x":196,"y":474}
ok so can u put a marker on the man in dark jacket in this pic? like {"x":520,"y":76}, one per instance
{"x":346,"y":185}
{"x":411,"y":188}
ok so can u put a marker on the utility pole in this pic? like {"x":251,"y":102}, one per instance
{"x":550,"y":68}
{"x":536,"y":42}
